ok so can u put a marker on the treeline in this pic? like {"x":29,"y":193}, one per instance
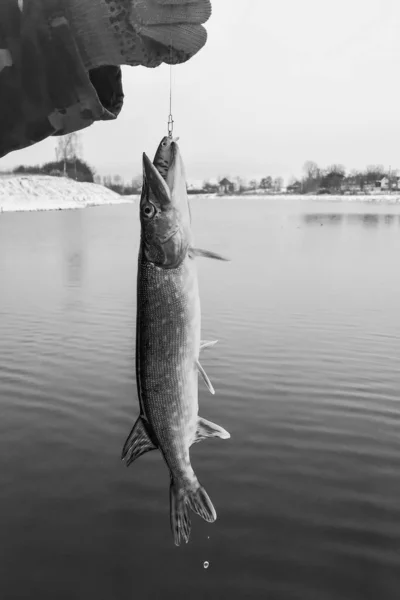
{"x":79,"y":170}
{"x":315,"y":180}
{"x":116,"y":184}
{"x":76,"y":169}
{"x":240,"y":185}
{"x":335,"y":179}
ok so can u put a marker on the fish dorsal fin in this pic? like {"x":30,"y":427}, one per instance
{"x":206,"y":344}
{"x":204,"y":376}
{"x":206,"y":429}
{"x":140,"y":440}
{"x":193,"y":252}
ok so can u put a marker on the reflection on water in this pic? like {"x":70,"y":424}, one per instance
{"x":73,"y":247}
{"x":316,"y":218}
{"x":368,"y":219}
{"x":307,"y":381}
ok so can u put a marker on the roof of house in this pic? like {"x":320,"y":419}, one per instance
{"x":225,"y":181}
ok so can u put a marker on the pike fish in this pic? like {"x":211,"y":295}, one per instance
{"x":168,"y":342}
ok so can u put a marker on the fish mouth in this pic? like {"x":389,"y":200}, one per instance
{"x":154,"y":183}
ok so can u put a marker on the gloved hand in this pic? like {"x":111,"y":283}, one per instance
{"x":138,"y":32}
{"x":60,"y":59}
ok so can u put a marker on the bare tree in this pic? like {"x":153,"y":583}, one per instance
{"x":311,"y":169}
{"x":240,"y":184}
{"x":253,"y":184}
{"x":374,"y":173}
{"x":137,"y":182}
{"x":68,"y":149}
{"x":107,"y":181}
{"x":278,"y":184}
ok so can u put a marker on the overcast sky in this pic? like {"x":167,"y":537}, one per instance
{"x":278,"y":83}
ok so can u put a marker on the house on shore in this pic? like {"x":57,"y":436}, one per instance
{"x":386,"y":184}
{"x":226,"y":186}
{"x":294,"y":188}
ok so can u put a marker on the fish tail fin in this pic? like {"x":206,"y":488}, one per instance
{"x":182,"y":497}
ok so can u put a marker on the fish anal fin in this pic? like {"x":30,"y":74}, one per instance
{"x":205,"y":377}
{"x":193,"y":252}
{"x":207,"y":344}
{"x":140,"y":440}
{"x":206,"y":429}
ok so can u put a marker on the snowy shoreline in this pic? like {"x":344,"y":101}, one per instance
{"x":42,"y":192}
{"x":362,"y":198}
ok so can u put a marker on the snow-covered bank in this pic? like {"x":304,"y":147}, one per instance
{"x":41,"y":192}
{"x":373,"y":198}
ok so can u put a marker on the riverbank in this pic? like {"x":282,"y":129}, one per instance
{"x":372,"y":198}
{"x":41,"y":192}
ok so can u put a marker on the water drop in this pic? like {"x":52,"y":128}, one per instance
{"x":206,"y":564}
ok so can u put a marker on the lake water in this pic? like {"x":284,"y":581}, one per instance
{"x":307,"y":379}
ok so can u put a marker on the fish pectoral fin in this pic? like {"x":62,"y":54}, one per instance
{"x":205,"y":377}
{"x":206,"y":429}
{"x":140,"y":440}
{"x":206,"y":344}
{"x":193,"y":252}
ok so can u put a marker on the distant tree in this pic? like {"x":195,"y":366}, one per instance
{"x":278,"y":184}
{"x":311,"y":170}
{"x":240,"y":184}
{"x":360,"y":179}
{"x":374,"y":173}
{"x":67,"y":149}
{"x":333,"y":178}
{"x":393,"y":179}
{"x":76,"y":169}
{"x":312,"y":177}
{"x":253,"y":184}
{"x":114,"y":183}
{"x":266,"y":183}
{"x":137,"y":183}
{"x":28,"y":169}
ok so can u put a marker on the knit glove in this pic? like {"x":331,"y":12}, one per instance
{"x":60,"y":59}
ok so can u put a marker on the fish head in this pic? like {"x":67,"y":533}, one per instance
{"x":165,"y":213}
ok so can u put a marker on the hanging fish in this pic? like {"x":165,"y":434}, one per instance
{"x":168,"y":342}
{"x":162,"y":161}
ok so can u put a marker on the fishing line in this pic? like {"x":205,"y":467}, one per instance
{"x":170,"y":117}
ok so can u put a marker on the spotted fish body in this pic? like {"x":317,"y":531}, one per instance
{"x":168,"y":343}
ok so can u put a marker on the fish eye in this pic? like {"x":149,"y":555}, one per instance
{"x":163,"y":143}
{"x":149,"y":211}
